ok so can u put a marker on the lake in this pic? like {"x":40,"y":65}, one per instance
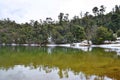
{"x":58,"y":63}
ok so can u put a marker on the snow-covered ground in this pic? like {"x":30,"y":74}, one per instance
{"x":108,"y":46}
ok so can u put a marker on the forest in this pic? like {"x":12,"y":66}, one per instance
{"x":96,"y":28}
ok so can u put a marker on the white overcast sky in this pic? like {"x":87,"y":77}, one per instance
{"x":26,"y":10}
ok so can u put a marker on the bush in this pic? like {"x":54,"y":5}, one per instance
{"x":102,"y":34}
{"x":118,"y":33}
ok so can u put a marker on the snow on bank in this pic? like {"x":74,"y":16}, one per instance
{"x":108,"y":46}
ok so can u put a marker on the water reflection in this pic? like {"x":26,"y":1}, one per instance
{"x":20,"y":72}
{"x":83,"y":48}
{"x":50,"y":49}
{"x":113,"y":50}
{"x":58,"y":63}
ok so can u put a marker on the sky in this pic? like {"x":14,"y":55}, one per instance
{"x":25,"y":10}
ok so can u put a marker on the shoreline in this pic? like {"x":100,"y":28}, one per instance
{"x":107,"y":47}
{"x":66,"y":45}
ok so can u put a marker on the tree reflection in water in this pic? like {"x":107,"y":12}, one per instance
{"x":20,"y":72}
{"x":58,"y":63}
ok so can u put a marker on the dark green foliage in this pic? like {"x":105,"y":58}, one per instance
{"x":64,"y":30}
{"x":115,"y":22}
{"x":118,"y":33}
{"x":102,"y":34}
{"x":78,"y":33}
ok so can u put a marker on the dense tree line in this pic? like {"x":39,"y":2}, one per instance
{"x":97,"y":28}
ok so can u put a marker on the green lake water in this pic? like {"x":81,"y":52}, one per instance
{"x":58,"y":63}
